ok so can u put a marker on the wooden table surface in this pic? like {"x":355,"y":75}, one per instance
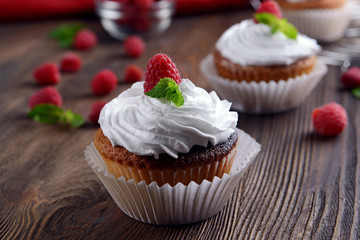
{"x":301,"y":185}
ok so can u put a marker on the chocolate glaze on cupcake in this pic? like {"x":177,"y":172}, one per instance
{"x":197,"y":157}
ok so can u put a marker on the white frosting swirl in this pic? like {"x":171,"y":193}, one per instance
{"x":149,"y":126}
{"x":248,"y":43}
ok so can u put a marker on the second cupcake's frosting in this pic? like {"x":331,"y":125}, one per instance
{"x":148,"y":126}
{"x":248,"y":43}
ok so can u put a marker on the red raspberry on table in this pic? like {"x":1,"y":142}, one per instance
{"x":95,"y":111}
{"x":47,"y":73}
{"x":158,"y":67}
{"x":104,"y":82}
{"x":351,"y":78}
{"x":85,"y":39}
{"x":269,"y":6}
{"x":71,"y":62}
{"x":330,"y":119}
{"x":133,"y":73}
{"x":47,"y":95}
{"x":134,"y":46}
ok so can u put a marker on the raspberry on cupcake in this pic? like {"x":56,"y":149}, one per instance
{"x":158,"y":67}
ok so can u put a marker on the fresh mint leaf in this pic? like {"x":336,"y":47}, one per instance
{"x":288,"y":29}
{"x":167,"y":89}
{"x":72,"y":119}
{"x":177,"y":99}
{"x":51,"y":114}
{"x":66,"y":42}
{"x":356,"y":92}
{"x":65,"y":33}
{"x":277,"y":24}
{"x":46,"y":113}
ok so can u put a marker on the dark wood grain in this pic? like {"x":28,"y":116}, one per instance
{"x":301,"y":186}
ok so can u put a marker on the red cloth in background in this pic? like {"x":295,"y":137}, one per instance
{"x":37,"y":9}
{"x":14,"y":10}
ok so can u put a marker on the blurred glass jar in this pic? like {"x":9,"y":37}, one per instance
{"x":121,"y":18}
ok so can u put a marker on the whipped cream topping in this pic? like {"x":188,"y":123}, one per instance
{"x":149,"y":126}
{"x":248,"y":43}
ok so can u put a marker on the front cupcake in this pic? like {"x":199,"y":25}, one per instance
{"x":146,"y":139}
{"x":264,"y":65}
{"x":167,"y":134}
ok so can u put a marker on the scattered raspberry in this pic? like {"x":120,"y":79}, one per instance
{"x":134,"y":46}
{"x":47,"y":95}
{"x":104,"y":82}
{"x":330,"y":119}
{"x":85,"y":39}
{"x":95,"y":111}
{"x":269,"y":6}
{"x":71,"y":62}
{"x":47,"y":73}
{"x":158,"y":67}
{"x":133,"y":73}
{"x":351,"y":78}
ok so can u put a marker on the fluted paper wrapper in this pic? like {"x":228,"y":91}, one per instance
{"x":263,"y":97}
{"x":326,"y":25}
{"x":180,"y":204}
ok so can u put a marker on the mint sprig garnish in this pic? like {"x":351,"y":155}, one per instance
{"x":277,"y":24}
{"x":65,"y":33}
{"x":356,"y":92}
{"x":51,"y":114}
{"x":167,"y":89}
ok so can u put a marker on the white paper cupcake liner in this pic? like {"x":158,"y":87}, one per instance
{"x":263,"y":97}
{"x":326,"y":25}
{"x":180,"y":204}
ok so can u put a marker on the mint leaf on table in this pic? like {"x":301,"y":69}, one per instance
{"x":277,"y":24}
{"x":65,"y":33}
{"x":167,"y":89}
{"x":356,"y":92}
{"x":72,"y":119}
{"x":51,"y":114}
{"x":46,"y":113}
